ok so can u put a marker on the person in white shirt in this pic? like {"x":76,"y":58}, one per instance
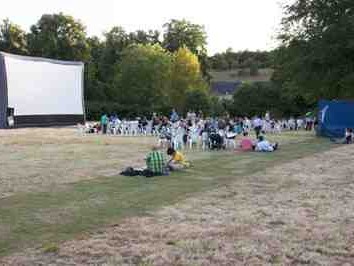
{"x":267,"y":116}
{"x":300,"y":124}
{"x":291,"y":123}
{"x":348,"y":136}
{"x":257,"y":125}
{"x":264,"y":145}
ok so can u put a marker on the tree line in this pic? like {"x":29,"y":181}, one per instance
{"x":315,"y":60}
{"x":230,"y":60}
{"x":131,"y":73}
{"x":135,"y":73}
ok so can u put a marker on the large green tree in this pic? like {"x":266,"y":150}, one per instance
{"x":59,"y":36}
{"x":186,"y":76}
{"x":198,"y":100}
{"x":142,"y":80}
{"x":95,"y":85}
{"x":116,"y":40}
{"x":143,"y":37}
{"x":182,"y":33}
{"x":12,"y":38}
{"x":316,"y":58}
{"x":256,"y":98}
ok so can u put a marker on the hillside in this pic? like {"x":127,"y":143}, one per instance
{"x":241,"y":75}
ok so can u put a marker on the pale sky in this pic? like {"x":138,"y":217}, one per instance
{"x":238,"y":24}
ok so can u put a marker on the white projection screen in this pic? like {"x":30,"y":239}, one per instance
{"x":44,"y":89}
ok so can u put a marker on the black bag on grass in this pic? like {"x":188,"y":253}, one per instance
{"x":147,"y":173}
{"x":129,"y":171}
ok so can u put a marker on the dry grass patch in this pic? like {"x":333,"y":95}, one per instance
{"x":296,"y":213}
{"x":43,"y":159}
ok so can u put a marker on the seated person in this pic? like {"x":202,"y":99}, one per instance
{"x":264,"y":145}
{"x":178,"y":161}
{"x":246,"y":143}
{"x":156,"y":162}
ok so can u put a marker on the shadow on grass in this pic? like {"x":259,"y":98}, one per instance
{"x":34,"y":219}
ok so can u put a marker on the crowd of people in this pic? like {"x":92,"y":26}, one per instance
{"x":175,"y":133}
{"x":194,"y":130}
{"x":158,"y":165}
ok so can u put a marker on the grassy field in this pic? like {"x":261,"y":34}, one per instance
{"x":56,"y":185}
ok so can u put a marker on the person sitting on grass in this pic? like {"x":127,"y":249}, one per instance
{"x":264,"y":146}
{"x":246,"y":143}
{"x":156,"y":162}
{"x":178,"y":161}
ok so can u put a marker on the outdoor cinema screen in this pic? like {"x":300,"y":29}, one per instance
{"x":43,"y":86}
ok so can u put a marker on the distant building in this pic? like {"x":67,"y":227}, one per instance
{"x":225,"y":89}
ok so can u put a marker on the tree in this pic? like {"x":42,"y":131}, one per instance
{"x":142,"y":37}
{"x":59,"y":36}
{"x":95,"y":85}
{"x":254,"y":70}
{"x":116,"y":40}
{"x":142,"y":80}
{"x":218,"y":62}
{"x":198,"y":100}
{"x":230,"y":60}
{"x":255,"y":98}
{"x":186,"y":76}
{"x":182,"y":33}
{"x":316,"y":58}
{"x":12,"y":38}
{"x":217,"y":106}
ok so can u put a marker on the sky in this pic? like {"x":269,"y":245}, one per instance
{"x":236,"y":24}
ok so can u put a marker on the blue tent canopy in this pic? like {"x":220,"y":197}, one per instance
{"x":334,"y":117}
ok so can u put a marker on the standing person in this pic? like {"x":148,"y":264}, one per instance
{"x":309,"y":123}
{"x":193,"y":116}
{"x":200,"y":114}
{"x":247,"y":124}
{"x":189,"y":115}
{"x":257,"y":124}
{"x":104,"y":123}
{"x":349,"y":136}
{"x":267,"y":116}
{"x":155,"y":124}
{"x":174,"y":116}
{"x":299,"y":123}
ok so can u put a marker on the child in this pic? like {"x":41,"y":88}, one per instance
{"x":178,"y":161}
